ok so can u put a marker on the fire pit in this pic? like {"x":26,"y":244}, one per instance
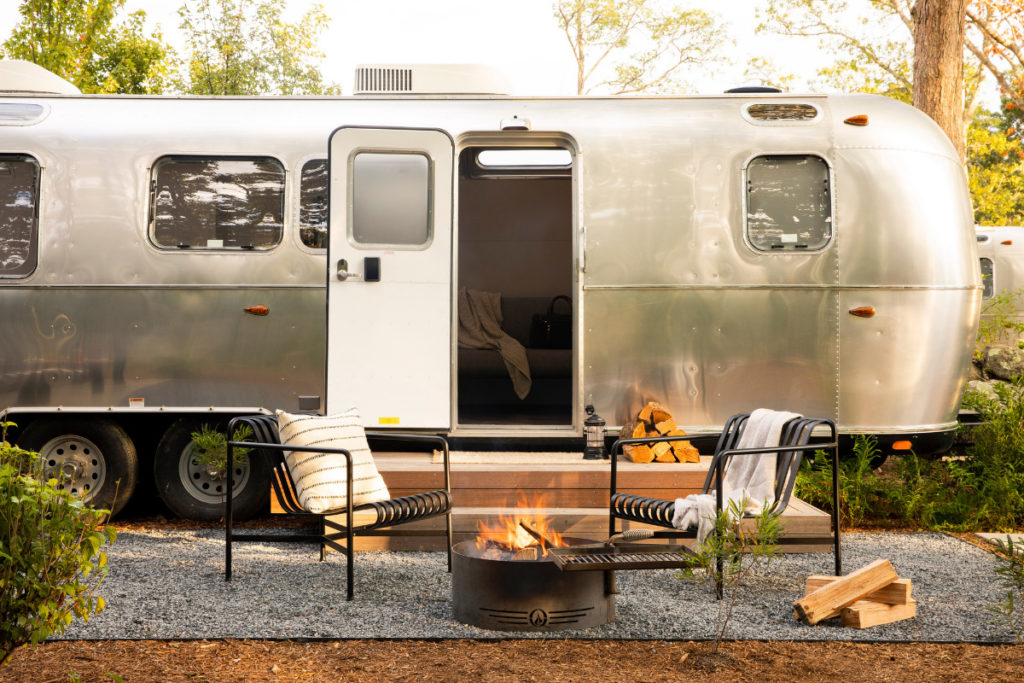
{"x":527,"y":594}
{"x":506,"y":580}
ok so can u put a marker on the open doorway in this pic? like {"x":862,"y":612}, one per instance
{"x":515,"y":263}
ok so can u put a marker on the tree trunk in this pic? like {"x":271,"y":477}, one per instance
{"x":939,"y":65}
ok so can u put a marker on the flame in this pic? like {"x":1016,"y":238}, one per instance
{"x":508,"y":532}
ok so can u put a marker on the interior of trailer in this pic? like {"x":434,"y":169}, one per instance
{"x":515,"y":239}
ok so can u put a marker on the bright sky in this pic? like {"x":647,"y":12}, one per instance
{"x":518,"y":37}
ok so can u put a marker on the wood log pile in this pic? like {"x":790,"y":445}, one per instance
{"x":654,"y":421}
{"x":870,"y":596}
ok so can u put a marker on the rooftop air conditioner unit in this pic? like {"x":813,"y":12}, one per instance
{"x":429,"y":79}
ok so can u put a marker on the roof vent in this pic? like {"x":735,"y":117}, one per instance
{"x":19,"y":76}
{"x":428,"y":79}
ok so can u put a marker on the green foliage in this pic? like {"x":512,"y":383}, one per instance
{"x":244,"y":47}
{"x":51,"y":553}
{"x":999,"y":322}
{"x":81,"y":42}
{"x":862,"y":493}
{"x":741,"y":553}
{"x":996,"y":169}
{"x":632,"y":46}
{"x":1010,"y":568}
{"x":209,"y":446}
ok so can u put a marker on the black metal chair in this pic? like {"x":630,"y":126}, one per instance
{"x":794,"y":441}
{"x":387,"y":513}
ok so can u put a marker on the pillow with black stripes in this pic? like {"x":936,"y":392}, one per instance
{"x":320,"y":483}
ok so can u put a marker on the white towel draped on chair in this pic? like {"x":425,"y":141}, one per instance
{"x":749,"y":479}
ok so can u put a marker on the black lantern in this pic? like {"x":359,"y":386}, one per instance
{"x":594,"y":428}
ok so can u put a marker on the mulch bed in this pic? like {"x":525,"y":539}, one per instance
{"x":513,"y":660}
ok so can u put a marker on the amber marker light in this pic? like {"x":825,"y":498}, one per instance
{"x":863,"y":311}
{"x":1006,"y":242}
{"x":858,"y":120}
{"x":257,"y":310}
{"x":901,"y":445}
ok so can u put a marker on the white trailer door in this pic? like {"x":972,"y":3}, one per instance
{"x":389,"y":280}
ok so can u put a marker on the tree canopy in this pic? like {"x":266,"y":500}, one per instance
{"x":83,"y":42}
{"x":244,"y":47}
{"x":631,"y":46}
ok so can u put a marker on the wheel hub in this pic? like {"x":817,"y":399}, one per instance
{"x":76,"y":463}
{"x":208,"y":484}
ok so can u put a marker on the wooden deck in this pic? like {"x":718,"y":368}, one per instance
{"x":574,"y":494}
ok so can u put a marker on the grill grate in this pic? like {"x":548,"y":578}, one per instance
{"x":597,"y":559}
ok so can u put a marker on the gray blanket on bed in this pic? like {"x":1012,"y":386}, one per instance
{"x":480,"y":328}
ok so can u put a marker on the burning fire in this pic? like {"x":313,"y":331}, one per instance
{"x":525,"y":528}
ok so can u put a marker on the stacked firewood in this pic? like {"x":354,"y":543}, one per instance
{"x":654,"y":420}
{"x":872,"y":595}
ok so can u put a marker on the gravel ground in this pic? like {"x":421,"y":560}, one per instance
{"x":170,"y":585}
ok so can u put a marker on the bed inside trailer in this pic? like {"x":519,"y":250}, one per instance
{"x":515,"y":238}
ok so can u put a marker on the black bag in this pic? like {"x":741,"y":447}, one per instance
{"x":552,"y":330}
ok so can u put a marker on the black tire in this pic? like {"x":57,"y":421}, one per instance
{"x":96,"y":455}
{"x":189,"y":491}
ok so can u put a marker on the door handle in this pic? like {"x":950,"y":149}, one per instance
{"x":342,"y":271}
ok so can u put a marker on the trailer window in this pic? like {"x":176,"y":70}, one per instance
{"x":19,"y":212}
{"x":217,"y":203}
{"x":986,"y":279}
{"x":391,"y":199}
{"x":789,"y":203}
{"x":313,"y":204}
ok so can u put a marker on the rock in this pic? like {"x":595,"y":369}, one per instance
{"x":986,"y":389}
{"x":976,"y":371}
{"x":1004,"y":362}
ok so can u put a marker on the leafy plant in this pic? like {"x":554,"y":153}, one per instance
{"x":730,"y":554}
{"x":210,"y":448}
{"x":51,"y":552}
{"x":1010,"y":568}
{"x":999,"y":323}
{"x":862,"y":493}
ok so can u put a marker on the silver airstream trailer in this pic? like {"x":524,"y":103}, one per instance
{"x":169,"y":261}
{"x":1001,"y":257}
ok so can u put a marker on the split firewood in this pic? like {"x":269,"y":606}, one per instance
{"x":844,"y":591}
{"x":654,"y":420}
{"x":866,"y":613}
{"x":896,"y":593}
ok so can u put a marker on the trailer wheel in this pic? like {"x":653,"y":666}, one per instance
{"x":92,"y":458}
{"x":191,"y":491}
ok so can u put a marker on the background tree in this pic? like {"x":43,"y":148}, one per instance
{"x":80,"y":41}
{"x":632,"y":46}
{"x":939,"y":64}
{"x":244,"y":47}
{"x":996,"y":167}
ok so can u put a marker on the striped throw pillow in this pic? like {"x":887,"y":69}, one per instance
{"x":320,"y":477}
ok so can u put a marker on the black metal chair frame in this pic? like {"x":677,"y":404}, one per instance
{"x":795,"y":440}
{"x":389,"y":513}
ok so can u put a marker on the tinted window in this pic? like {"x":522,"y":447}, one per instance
{"x":217,"y":203}
{"x":789,"y":203}
{"x":19,"y":210}
{"x":313,"y":204}
{"x":391,"y":199}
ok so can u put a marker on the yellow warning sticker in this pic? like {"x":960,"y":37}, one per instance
{"x":387,"y":420}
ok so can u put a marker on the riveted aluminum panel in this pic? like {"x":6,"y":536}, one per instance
{"x":710,"y":353}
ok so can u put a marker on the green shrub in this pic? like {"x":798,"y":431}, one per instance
{"x":998,"y":323}
{"x":210,"y":447}
{"x":741,"y":552}
{"x":51,"y":553}
{"x":1010,"y":568}
{"x":863,"y":495}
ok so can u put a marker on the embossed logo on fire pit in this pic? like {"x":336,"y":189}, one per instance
{"x":538,"y":617}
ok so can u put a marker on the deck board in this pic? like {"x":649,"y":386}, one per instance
{"x":575,"y":496}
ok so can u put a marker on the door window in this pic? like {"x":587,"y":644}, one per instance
{"x":391,"y":199}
